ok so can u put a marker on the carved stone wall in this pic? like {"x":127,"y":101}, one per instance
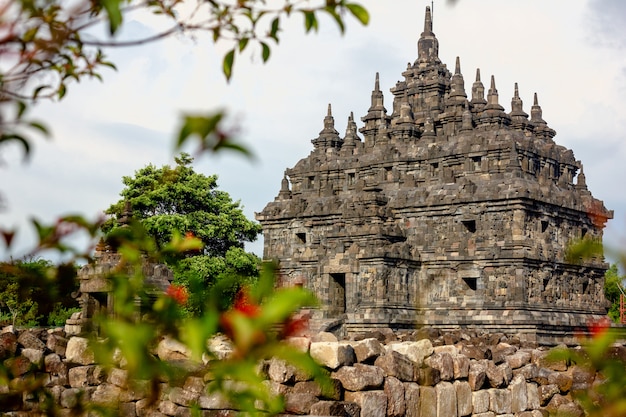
{"x":449,"y":211}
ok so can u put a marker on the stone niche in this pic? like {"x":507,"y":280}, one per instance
{"x":449,"y":212}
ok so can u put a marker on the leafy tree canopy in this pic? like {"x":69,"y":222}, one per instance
{"x":177,"y":201}
{"x":170,"y":200}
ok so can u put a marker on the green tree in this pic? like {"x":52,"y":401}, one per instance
{"x":612,"y":282}
{"x":177,"y":201}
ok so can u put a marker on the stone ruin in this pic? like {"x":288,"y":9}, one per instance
{"x":448,"y":212}
{"x":94,"y":293}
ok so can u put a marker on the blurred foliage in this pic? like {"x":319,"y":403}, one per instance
{"x":176,"y":202}
{"x":613,"y":281}
{"x":31,"y":290}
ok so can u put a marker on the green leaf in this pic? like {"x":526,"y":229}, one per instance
{"x":338,"y":19}
{"x":38,"y":90}
{"x":40,"y":127}
{"x":310,"y":21}
{"x":30,"y":34}
{"x":275,"y":28}
{"x":112,"y":8}
{"x":265,"y":51}
{"x":359,"y":12}
{"x":227,"y":67}
{"x":61,"y":91}
{"x":21,"y":108}
{"x":12,"y":136}
{"x":243,"y":42}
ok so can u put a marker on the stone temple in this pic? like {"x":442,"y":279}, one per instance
{"x":448,"y":211}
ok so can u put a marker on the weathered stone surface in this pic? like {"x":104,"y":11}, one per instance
{"x":519,"y":394}
{"x":428,"y":401}
{"x":333,"y":392}
{"x":332,"y":354}
{"x":500,"y":400}
{"x":412,"y":399}
{"x":444,"y":363}
{"x":461,"y":366}
{"x":302,"y":344}
{"x":82,"y":376}
{"x":398,"y":365}
{"x":529,"y":372}
{"x":582,"y":378}
{"x":501,"y":351}
{"x":546,"y":392}
{"x":29,"y":340}
{"x":56,"y":343}
{"x":542,"y":359}
{"x":372,"y":403}
{"x":8,"y":345}
{"x":428,"y":376}
{"x":499,"y":375}
{"x":446,"y":399}
{"x":518,"y":359}
{"x":532,"y":393}
{"x":299,"y":402}
{"x":70,"y":397}
{"x":396,"y":405}
{"x":335,"y":408}
{"x":415,"y":351}
{"x":118,"y":377}
{"x":324,"y":337}
{"x":360,"y":377}
{"x":480,"y":401}
{"x":79,"y":352}
{"x":280,"y":371}
{"x":368,"y":349}
{"x":170,"y":349}
{"x":220,"y":346}
{"x":477,"y":375}
{"x":563,"y":380}
{"x":210,"y":401}
{"x":463,"y":398}
{"x":474,"y":352}
{"x":183,"y":397}
{"x":35,"y":356}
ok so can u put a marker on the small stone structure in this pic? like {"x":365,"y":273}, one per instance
{"x":449,"y":212}
{"x":452,"y":374}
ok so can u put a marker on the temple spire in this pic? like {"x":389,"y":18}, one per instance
{"x":536,"y":113}
{"x":492,"y":97}
{"x":457,"y":84}
{"x":517,"y":112}
{"x":478,"y":91}
{"x":329,"y":137}
{"x":427,"y":45}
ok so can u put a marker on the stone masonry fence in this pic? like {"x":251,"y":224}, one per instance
{"x":414,"y":374}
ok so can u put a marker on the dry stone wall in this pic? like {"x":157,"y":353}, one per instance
{"x":413,"y":374}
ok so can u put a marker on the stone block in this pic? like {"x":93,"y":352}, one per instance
{"x":519,"y":394}
{"x":106,"y":394}
{"x":412,"y":399}
{"x":446,"y":399}
{"x":477,"y":375}
{"x":532,"y":393}
{"x":529,"y":371}
{"x":300,"y":343}
{"x":398,"y":365}
{"x":500,"y":400}
{"x":463,"y":398}
{"x":170,"y":349}
{"x":70,"y":397}
{"x":57,"y":344}
{"x":335,"y":408}
{"x":368,"y":350}
{"x":8,"y":345}
{"x":428,"y":376}
{"x":280,"y":371}
{"x":360,"y":377}
{"x":480,"y":401}
{"x":29,"y":340}
{"x":518,"y":359}
{"x":79,"y":352}
{"x":211,"y":401}
{"x":499,"y":375}
{"x":299,"y":402}
{"x":415,"y":351}
{"x":332,"y":392}
{"x":372,"y":403}
{"x":546,"y":392}
{"x":118,"y":377}
{"x":35,"y":356}
{"x":428,"y":401}
{"x":444,"y":363}
{"x":332,"y":355}
{"x":396,"y":404}
{"x":183,"y":397}
{"x":461,"y":366}
{"x":87,"y":375}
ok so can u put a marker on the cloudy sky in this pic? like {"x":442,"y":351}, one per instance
{"x":571,"y":52}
